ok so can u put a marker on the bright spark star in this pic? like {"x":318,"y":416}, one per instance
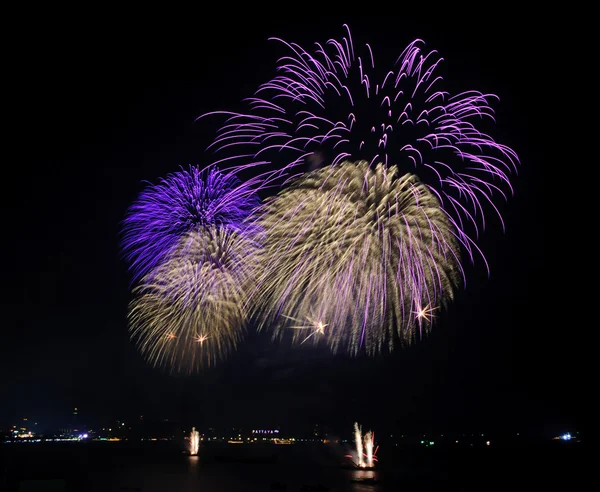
{"x":425,"y":313}
{"x":313,"y":324}
{"x":321,"y":327}
{"x":201,"y":339}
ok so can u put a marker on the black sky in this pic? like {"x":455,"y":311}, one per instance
{"x":107,"y":104}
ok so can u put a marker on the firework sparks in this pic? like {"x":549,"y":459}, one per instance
{"x":335,"y":103}
{"x":183,"y":202}
{"x":188,"y":312}
{"x":359,"y":248}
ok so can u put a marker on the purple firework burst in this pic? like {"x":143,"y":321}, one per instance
{"x":184,"y":201}
{"x":332,"y":103}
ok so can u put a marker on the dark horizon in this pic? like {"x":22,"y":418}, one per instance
{"x":107,"y":110}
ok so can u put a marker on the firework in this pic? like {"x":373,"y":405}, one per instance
{"x":359,"y":445}
{"x":194,"y":441}
{"x":332,"y":103}
{"x":370,"y":449}
{"x":188,"y":312}
{"x":365,"y":448}
{"x":355,"y":256}
{"x":183,"y":202}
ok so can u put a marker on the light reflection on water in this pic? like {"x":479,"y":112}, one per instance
{"x":233,"y":477}
{"x":106,"y":467}
{"x":365,"y":480}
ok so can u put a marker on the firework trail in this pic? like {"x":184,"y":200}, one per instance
{"x":183,"y":202}
{"x":188,"y":312}
{"x":355,"y":256}
{"x":331,"y":101}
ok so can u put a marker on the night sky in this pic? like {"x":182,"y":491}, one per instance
{"x":106,"y":105}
